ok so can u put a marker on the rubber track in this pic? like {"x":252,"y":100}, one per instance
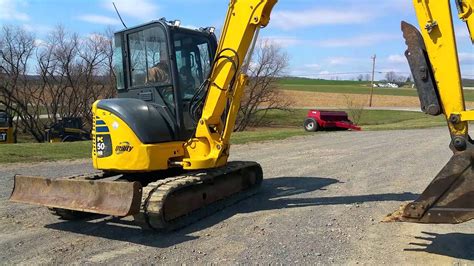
{"x":155,"y":194}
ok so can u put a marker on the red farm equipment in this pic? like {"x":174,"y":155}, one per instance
{"x":320,"y":119}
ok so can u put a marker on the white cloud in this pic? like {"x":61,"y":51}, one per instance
{"x":313,"y":66}
{"x":396,"y":58}
{"x":11,"y":10}
{"x":339,"y":60}
{"x":283,"y":41}
{"x":37,"y":28}
{"x":39,"y":42}
{"x":98,"y":19}
{"x":357,"y":41}
{"x":306,"y":18}
{"x":142,"y":9}
{"x":461,"y":31}
{"x":466,"y":58}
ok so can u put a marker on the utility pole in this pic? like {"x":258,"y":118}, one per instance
{"x":373,"y":77}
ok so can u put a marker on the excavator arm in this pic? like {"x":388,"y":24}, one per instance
{"x":210,"y":146}
{"x":433,"y":59}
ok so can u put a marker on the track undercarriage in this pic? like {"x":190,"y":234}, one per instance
{"x":160,"y":201}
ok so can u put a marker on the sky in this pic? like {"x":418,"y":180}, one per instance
{"x":324,"y":39}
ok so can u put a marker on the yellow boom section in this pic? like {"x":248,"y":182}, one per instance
{"x":209,"y":148}
{"x":466,"y":10}
{"x":437,"y":28}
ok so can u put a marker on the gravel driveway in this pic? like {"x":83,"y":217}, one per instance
{"x":322,"y":201}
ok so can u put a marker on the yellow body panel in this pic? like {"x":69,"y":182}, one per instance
{"x":435,"y":19}
{"x":6,"y":135}
{"x":117,"y":148}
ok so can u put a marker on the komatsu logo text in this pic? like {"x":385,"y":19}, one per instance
{"x":123,"y":147}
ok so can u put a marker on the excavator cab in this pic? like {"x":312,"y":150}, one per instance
{"x":6,"y":128}
{"x":160,"y":66}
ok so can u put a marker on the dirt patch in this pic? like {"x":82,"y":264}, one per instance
{"x":314,"y":99}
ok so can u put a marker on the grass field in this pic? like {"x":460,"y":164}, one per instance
{"x":350,"y":87}
{"x":39,"y":152}
{"x":282,"y":125}
{"x":370,"y":119}
{"x":304,"y":81}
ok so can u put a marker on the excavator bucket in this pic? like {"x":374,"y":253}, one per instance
{"x":94,"y":196}
{"x":449,"y":198}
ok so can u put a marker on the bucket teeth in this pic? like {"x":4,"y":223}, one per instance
{"x":449,"y":198}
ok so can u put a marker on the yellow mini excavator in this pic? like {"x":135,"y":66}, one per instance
{"x":163,"y":144}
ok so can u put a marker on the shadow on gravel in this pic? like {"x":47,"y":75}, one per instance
{"x":455,"y":245}
{"x":276,"y":193}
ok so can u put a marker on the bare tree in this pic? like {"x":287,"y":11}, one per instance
{"x":262,"y":94}
{"x":75,"y":73}
{"x":71,"y":73}
{"x":18,"y":91}
{"x":355,"y":109}
{"x":391,"y":76}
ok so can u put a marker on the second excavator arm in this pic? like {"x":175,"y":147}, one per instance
{"x":433,"y":58}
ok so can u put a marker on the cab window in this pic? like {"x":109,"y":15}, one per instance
{"x":193,"y":60}
{"x":149,"y":57}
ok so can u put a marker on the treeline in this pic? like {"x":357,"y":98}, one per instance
{"x":60,"y":76}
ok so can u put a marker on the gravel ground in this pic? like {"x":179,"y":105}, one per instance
{"x":321,"y":203}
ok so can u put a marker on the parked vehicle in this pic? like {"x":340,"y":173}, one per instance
{"x":320,"y":119}
{"x":6,"y":128}
{"x":67,"y":129}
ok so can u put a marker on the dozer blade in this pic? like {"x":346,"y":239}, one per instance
{"x":95,"y":196}
{"x":449,"y":198}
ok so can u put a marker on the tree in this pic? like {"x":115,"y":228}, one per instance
{"x":400,"y":80}
{"x":68,"y":74}
{"x":18,"y":93}
{"x":262,"y":94}
{"x":391,"y":76}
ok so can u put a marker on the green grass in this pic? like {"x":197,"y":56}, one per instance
{"x":305,"y":81}
{"x":360,"y":89}
{"x":281,"y":125}
{"x":40,"y":152}
{"x":370,"y":120}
